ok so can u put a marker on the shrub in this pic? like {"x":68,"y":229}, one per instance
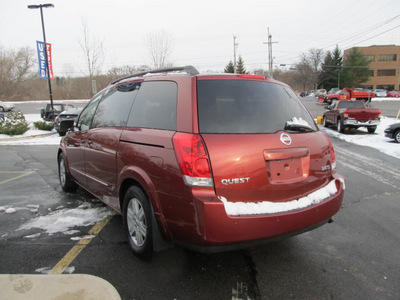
{"x":42,"y":125}
{"x":13,"y":124}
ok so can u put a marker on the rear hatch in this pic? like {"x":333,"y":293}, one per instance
{"x":262,"y":143}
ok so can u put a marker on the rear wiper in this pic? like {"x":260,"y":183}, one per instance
{"x":298,"y":127}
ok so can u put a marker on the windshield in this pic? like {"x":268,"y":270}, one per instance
{"x":244,"y":106}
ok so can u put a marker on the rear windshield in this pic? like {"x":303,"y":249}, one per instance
{"x":244,"y":106}
{"x":351,"y":104}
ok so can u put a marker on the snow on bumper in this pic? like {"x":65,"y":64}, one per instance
{"x":266,"y":207}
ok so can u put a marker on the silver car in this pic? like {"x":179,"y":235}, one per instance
{"x":379,"y":93}
{"x":6,"y":106}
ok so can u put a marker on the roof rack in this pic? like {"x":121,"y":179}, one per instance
{"x":190,"y":70}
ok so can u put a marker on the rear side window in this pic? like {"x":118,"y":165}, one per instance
{"x":114,"y":109}
{"x":155,"y":106}
{"x":244,"y":106}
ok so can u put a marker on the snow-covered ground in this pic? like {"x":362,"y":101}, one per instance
{"x":376,"y":140}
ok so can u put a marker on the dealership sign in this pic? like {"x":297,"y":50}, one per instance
{"x":42,"y":60}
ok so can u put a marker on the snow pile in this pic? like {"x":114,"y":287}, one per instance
{"x":266,"y":207}
{"x":65,"y":219}
{"x":33,"y":136}
{"x":298,"y":122}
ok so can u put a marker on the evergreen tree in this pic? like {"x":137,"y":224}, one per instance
{"x":355,"y":69}
{"x":240,"y":69}
{"x":330,"y":69}
{"x":229,"y":68}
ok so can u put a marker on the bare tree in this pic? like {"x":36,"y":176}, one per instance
{"x":310,"y":66}
{"x":117,"y":72}
{"x":159,"y":45}
{"x":93,"y":50}
{"x":15,"y":71}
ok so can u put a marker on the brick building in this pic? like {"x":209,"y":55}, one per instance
{"x":384,"y":66}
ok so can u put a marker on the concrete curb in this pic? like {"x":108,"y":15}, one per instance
{"x":21,"y":138}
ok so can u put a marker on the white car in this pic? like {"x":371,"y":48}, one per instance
{"x":6,"y":106}
{"x":379,"y":93}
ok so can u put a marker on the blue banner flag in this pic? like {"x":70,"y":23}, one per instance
{"x":42,"y":60}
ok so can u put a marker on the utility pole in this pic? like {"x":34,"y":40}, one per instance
{"x":234,"y":53}
{"x":270,"y":59}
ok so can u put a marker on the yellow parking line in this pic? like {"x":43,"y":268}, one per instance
{"x":60,"y":267}
{"x":17,"y":177}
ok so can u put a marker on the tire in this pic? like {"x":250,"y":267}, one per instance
{"x":396,"y":136}
{"x":340,"y":126}
{"x":62,"y":133}
{"x":371,"y":129}
{"x":2,"y":109}
{"x":324,"y":122}
{"x":138,"y":222}
{"x":65,"y":180}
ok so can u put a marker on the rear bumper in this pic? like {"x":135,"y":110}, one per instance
{"x":221,"y":231}
{"x":361,"y":123}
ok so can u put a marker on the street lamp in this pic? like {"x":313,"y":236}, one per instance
{"x":40,"y":6}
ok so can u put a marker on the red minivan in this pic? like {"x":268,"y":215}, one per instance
{"x":210,"y":162}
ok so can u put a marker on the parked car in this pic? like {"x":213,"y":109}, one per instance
{"x":210,"y":162}
{"x":320,"y":92}
{"x":6,"y":106}
{"x":49,"y":114}
{"x":379,"y":93}
{"x":65,"y":120}
{"x":395,"y":94}
{"x":393,"y":132}
{"x":346,"y":114}
{"x":333,"y":90}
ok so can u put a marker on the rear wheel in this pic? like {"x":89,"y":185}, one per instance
{"x":324,"y":122}
{"x":397,"y":136}
{"x":340,"y":126}
{"x":137,"y":222}
{"x":65,"y":181}
{"x":371,"y":129}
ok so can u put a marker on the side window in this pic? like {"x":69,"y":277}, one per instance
{"x":114,"y":108}
{"x":155,"y":106}
{"x":85,"y":119}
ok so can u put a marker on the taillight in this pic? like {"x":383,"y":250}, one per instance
{"x":193,"y":159}
{"x":346,"y":113}
{"x":332,"y":151}
{"x":379,"y":115}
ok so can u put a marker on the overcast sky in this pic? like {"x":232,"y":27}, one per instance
{"x":201,"y":31}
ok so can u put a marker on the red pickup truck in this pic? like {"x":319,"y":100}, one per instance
{"x":351,"y":114}
{"x":346,"y":94}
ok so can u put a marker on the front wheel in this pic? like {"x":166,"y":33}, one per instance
{"x":397,"y":136}
{"x":137,"y":222}
{"x":65,"y":181}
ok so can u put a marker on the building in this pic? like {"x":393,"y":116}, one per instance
{"x":384,"y":66}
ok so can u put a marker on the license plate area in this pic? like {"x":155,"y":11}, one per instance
{"x":287,"y":165}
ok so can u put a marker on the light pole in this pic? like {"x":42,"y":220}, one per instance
{"x":40,"y":6}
